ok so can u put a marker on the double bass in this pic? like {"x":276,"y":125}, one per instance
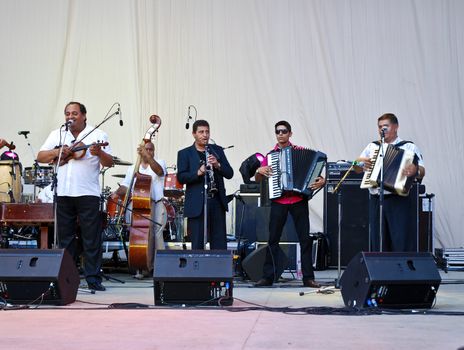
{"x":141,"y":207}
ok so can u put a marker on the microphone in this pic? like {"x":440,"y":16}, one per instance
{"x":187,"y":125}
{"x":121,"y":123}
{"x":67,"y":124}
{"x":228,"y":147}
{"x":382,"y":131}
{"x":356,"y":163}
{"x":23,"y":133}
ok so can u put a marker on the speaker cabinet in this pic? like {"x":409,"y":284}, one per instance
{"x":253,"y":263}
{"x":245,"y":216}
{"x":390,"y":280}
{"x":354,"y":221}
{"x":262,"y":226}
{"x":26,"y":274}
{"x":252,"y":221}
{"x":193,"y":277}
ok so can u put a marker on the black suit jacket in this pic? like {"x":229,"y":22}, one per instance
{"x":188,"y":163}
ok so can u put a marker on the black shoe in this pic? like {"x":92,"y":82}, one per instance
{"x":96,"y":286}
{"x":311,"y":284}
{"x":263,"y":282}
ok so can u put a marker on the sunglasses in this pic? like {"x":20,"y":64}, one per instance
{"x":281,"y":131}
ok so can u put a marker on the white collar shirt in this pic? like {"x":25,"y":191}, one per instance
{"x":78,"y":177}
{"x":368,"y":152}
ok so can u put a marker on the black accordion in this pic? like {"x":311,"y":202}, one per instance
{"x":294,"y":169}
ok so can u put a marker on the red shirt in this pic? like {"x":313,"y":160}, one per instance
{"x":288,"y":197}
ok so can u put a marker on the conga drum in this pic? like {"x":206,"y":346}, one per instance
{"x":10,"y":181}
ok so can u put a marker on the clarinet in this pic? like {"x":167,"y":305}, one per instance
{"x":212,"y":187}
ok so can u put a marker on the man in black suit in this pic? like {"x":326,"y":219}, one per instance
{"x":198,"y":166}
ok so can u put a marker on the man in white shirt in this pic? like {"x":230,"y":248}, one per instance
{"x":78,"y":186}
{"x":397,"y":236}
{"x":156,"y":168}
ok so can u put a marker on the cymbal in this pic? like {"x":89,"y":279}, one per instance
{"x":122,"y":176}
{"x":118,"y":161}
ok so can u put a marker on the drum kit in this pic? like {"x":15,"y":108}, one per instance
{"x":173,"y":201}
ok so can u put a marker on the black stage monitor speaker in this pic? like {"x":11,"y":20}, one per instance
{"x":390,"y":280}
{"x":26,"y":274}
{"x":253,"y":263}
{"x":195,"y":277}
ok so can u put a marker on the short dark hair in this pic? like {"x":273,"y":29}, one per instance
{"x":389,"y":116}
{"x":81,"y":106}
{"x":199,"y":122}
{"x":284,"y":123}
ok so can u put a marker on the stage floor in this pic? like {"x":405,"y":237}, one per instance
{"x":124,"y":316}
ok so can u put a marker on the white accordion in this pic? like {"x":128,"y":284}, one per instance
{"x":395,"y":161}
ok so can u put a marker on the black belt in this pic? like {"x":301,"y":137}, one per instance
{"x":384,"y":196}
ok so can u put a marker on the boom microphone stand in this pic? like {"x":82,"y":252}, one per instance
{"x":339,"y":223}
{"x":36,"y":164}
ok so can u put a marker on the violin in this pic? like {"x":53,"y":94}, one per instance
{"x":78,"y":151}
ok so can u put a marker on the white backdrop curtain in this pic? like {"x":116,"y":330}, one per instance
{"x":330,"y":67}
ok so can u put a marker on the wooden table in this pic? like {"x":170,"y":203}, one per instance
{"x":27,"y":214}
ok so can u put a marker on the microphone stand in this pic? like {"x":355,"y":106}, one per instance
{"x":55,"y":190}
{"x":36,"y":164}
{"x":381,"y":197}
{"x":105,"y":119}
{"x":205,"y":207}
{"x":339,"y":223}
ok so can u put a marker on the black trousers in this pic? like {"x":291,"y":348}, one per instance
{"x":398,"y":229}
{"x":216,"y":229}
{"x":300,"y":214}
{"x":82,"y":212}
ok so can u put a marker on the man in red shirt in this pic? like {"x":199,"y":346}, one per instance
{"x":296,"y":205}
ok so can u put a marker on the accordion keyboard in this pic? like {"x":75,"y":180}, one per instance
{"x":275,"y":187}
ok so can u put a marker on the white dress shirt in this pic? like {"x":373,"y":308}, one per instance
{"x":78,"y":177}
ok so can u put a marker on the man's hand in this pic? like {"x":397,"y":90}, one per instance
{"x":410,"y":170}
{"x":318,"y":183}
{"x":264,"y":171}
{"x":201,"y":170}
{"x":95,"y":150}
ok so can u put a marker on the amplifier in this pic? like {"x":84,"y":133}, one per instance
{"x":336,"y":170}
